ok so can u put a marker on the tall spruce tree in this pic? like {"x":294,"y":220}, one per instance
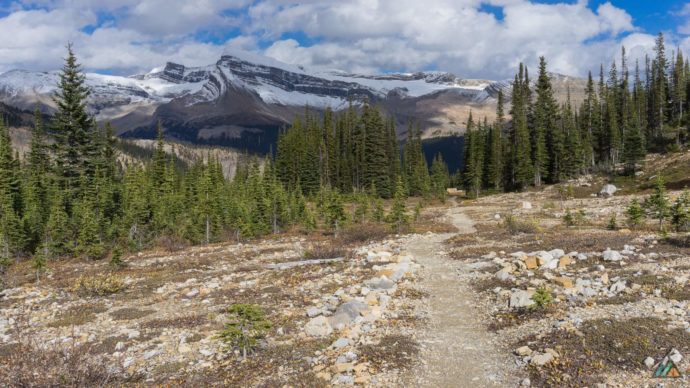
{"x":521,"y":165}
{"x":494,"y":168}
{"x":545,"y":133}
{"x":72,"y":127}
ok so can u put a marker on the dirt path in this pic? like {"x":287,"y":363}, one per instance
{"x":457,"y":351}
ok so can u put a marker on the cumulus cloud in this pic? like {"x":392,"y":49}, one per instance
{"x":369,"y":36}
{"x":457,"y":36}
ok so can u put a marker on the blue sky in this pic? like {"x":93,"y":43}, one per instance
{"x":471,"y":38}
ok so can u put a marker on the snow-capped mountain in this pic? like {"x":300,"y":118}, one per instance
{"x":244,"y":98}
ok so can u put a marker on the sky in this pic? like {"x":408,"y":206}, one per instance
{"x":470,"y":38}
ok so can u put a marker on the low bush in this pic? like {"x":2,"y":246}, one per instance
{"x":99,"y":285}
{"x":517,"y":226}
{"x":364,"y":233}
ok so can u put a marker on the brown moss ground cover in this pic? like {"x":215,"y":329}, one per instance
{"x":604,"y":345}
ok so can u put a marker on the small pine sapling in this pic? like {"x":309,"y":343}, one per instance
{"x":680,"y":213}
{"x":658,"y":204}
{"x":635,"y":214}
{"x":542,"y":298}
{"x":39,"y":263}
{"x":568,"y":218}
{"x":613,"y":223}
{"x":247,"y":324}
{"x":116,"y":258}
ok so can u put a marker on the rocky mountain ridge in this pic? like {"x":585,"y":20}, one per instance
{"x":243,"y":99}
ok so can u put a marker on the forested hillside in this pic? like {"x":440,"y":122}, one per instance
{"x":74,"y":196}
{"x":624,"y":115}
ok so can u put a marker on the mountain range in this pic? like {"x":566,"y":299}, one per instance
{"x":244,"y":99}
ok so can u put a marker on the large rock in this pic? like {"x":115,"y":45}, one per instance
{"x":318,"y":327}
{"x":608,"y":191}
{"x":557,"y":253}
{"x":521,"y":298}
{"x":611,"y":255}
{"x":380,"y":284}
{"x":347,"y":313}
{"x":618,"y":286}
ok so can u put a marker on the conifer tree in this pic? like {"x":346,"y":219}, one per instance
{"x":658,"y":204}
{"x":545,"y":132}
{"x":635,"y":213}
{"x":333,"y":209}
{"x":521,"y":166}
{"x":680,"y":212}
{"x":398,"y":217}
{"x":439,"y":177}
{"x":72,"y":127}
{"x":634,"y":150}
{"x":35,"y":189}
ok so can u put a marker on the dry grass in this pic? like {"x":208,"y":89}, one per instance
{"x":28,"y":364}
{"x":503,"y":320}
{"x":394,"y":351}
{"x":78,"y":315}
{"x":181,"y":322}
{"x":491,"y":282}
{"x":129,"y":313}
{"x":363,"y":233}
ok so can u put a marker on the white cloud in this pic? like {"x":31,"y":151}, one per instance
{"x":357,"y":35}
{"x":452,"y":35}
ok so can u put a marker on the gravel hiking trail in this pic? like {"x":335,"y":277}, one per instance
{"x":456,"y":350}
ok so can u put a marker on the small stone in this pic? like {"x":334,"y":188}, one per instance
{"x":503,"y":275}
{"x":150,"y":354}
{"x":194,"y":292}
{"x":318,"y":327}
{"x":343,"y":367}
{"x":610,"y":255}
{"x":557,"y":253}
{"x":608,"y":191}
{"x":521,"y":298}
{"x":531,"y":262}
{"x":564,"y":282}
{"x":604,"y":278}
{"x":340,"y":343}
{"x":363,"y":379}
{"x":564,"y":261}
{"x":361,"y":368}
{"x":617,"y":286}
{"x":542,"y":359}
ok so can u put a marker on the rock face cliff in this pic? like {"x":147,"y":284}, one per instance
{"x":244,"y":99}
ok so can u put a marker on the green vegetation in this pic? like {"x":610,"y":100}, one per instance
{"x":75,"y":197}
{"x":542,"y":298}
{"x":635,"y":214}
{"x":98,"y":285}
{"x":247,"y":324}
{"x":620,"y":120}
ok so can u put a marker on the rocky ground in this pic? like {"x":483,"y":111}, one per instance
{"x":340,"y":310}
{"x":453,"y":305}
{"x":619,"y":297}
